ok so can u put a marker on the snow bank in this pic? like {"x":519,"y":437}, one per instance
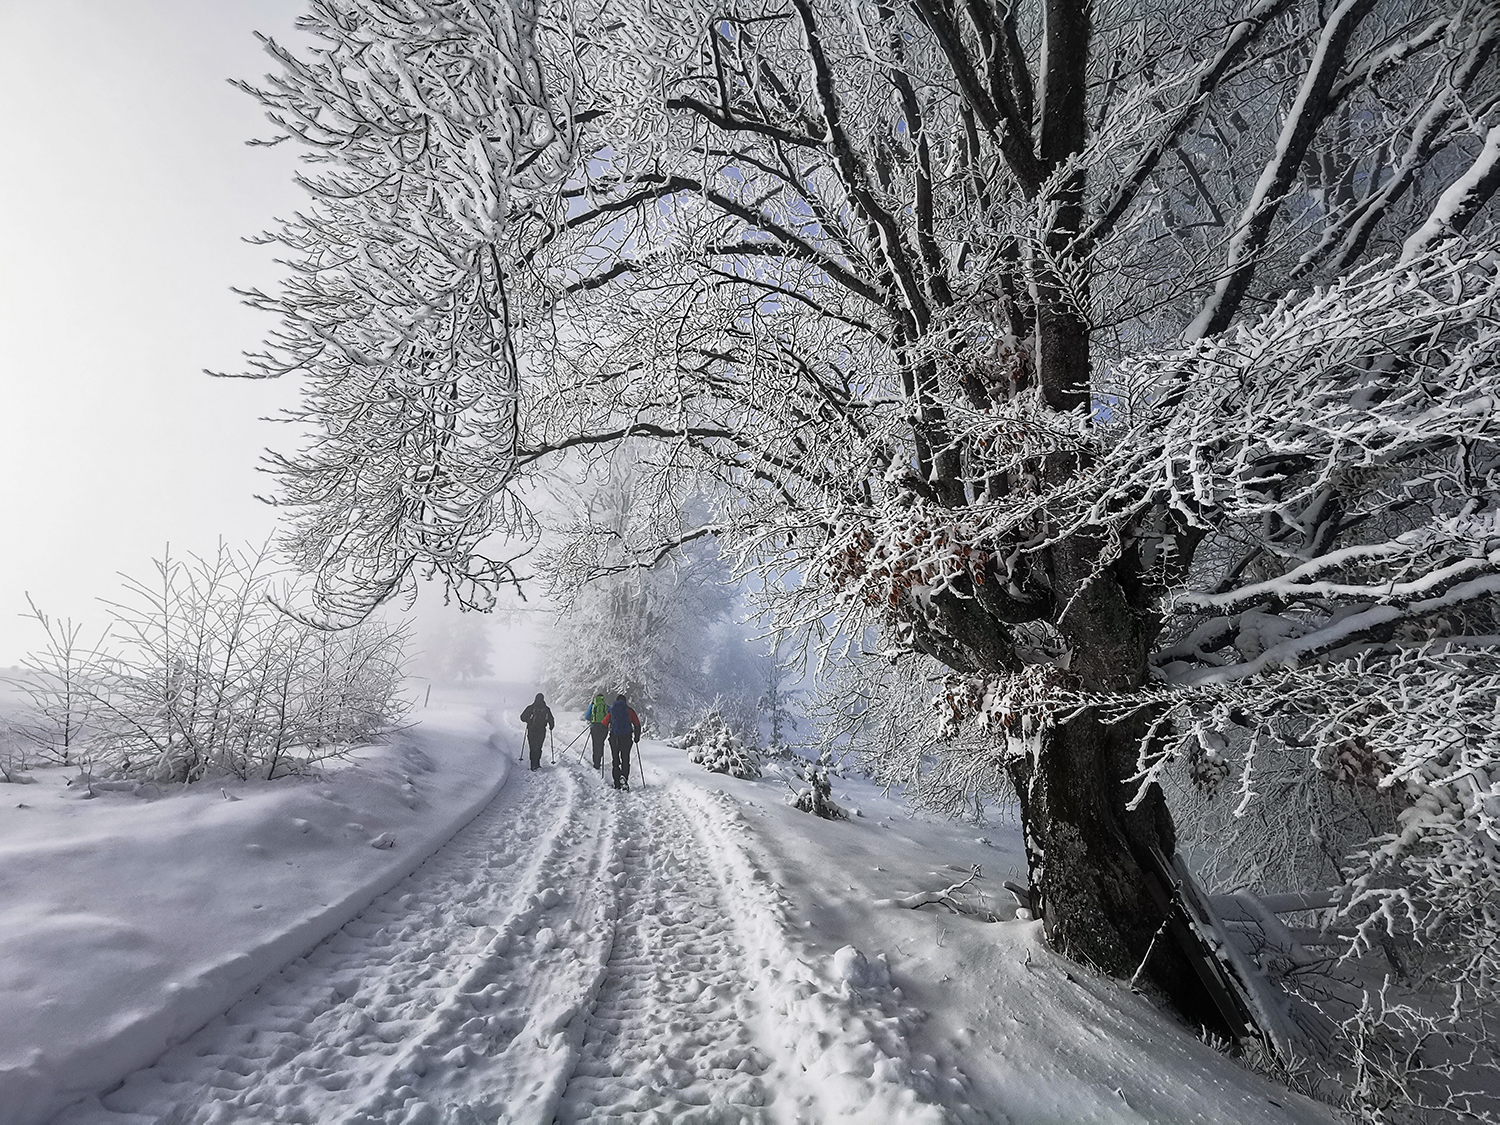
{"x":848,"y":1029}
{"x":1012,"y":1031}
{"x":130,"y":920}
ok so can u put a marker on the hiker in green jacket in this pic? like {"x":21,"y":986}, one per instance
{"x":596,"y":713}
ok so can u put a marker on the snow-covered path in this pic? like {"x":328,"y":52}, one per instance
{"x":674,"y":970}
{"x":571,"y":955}
{"x":695,"y":950}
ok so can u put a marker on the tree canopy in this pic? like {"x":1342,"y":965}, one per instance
{"x":1135,"y":361}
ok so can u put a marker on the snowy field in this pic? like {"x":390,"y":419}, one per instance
{"x":537,"y":947}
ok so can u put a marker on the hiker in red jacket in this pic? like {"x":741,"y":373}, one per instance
{"x":624,"y":727}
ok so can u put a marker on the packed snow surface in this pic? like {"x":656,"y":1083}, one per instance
{"x":538,"y":947}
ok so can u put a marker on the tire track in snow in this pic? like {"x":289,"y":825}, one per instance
{"x":573,"y":955}
{"x":353,"y":1022}
{"x":622,"y":990}
{"x":669,"y":1035}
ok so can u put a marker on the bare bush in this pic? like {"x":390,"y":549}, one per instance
{"x":205,"y":675}
{"x":58,"y":688}
{"x":12,"y":755}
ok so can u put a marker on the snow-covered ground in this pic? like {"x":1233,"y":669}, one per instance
{"x":129,"y":919}
{"x":693,"y":950}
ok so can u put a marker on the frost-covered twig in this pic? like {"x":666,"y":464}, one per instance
{"x":205,"y":676}
{"x":948,"y":897}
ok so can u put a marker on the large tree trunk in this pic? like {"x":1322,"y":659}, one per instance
{"x":1094,"y":877}
{"x":1088,"y":859}
{"x":1089,"y":855}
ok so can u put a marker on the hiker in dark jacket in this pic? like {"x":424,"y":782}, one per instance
{"x":596,"y":714}
{"x":624,"y":727}
{"x":538,"y":718}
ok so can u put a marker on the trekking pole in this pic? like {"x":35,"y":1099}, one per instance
{"x":640,"y":763}
{"x":552,"y":745}
{"x":576,"y":737}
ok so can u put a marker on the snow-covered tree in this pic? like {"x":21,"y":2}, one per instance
{"x":777,"y":704}
{"x":667,"y":635}
{"x":453,"y":646}
{"x":1132,"y":360}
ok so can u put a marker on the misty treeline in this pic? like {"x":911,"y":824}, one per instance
{"x":202,"y":672}
{"x":1125,"y":369}
{"x":672,"y":636}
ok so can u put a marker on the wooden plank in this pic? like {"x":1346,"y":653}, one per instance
{"x":1167,"y":890}
{"x":1301,"y":900}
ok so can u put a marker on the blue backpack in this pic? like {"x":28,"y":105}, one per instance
{"x":619,"y":720}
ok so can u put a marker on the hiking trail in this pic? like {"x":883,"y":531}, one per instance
{"x":573,"y":954}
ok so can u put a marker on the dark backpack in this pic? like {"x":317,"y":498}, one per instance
{"x":619,"y":720}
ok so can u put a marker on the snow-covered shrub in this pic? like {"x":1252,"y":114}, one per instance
{"x":12,"y":756}
{"x":57,"y":686}
{"x":711,"y":744}
{"x":206,"y":674}
{"x":817,"y":797}
{"x":13,"y":746}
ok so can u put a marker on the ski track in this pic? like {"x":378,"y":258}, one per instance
{"x":574,"y":954}
{"x":673,"y":975}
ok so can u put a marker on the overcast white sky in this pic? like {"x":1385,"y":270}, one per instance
{"x":125,"y":191}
